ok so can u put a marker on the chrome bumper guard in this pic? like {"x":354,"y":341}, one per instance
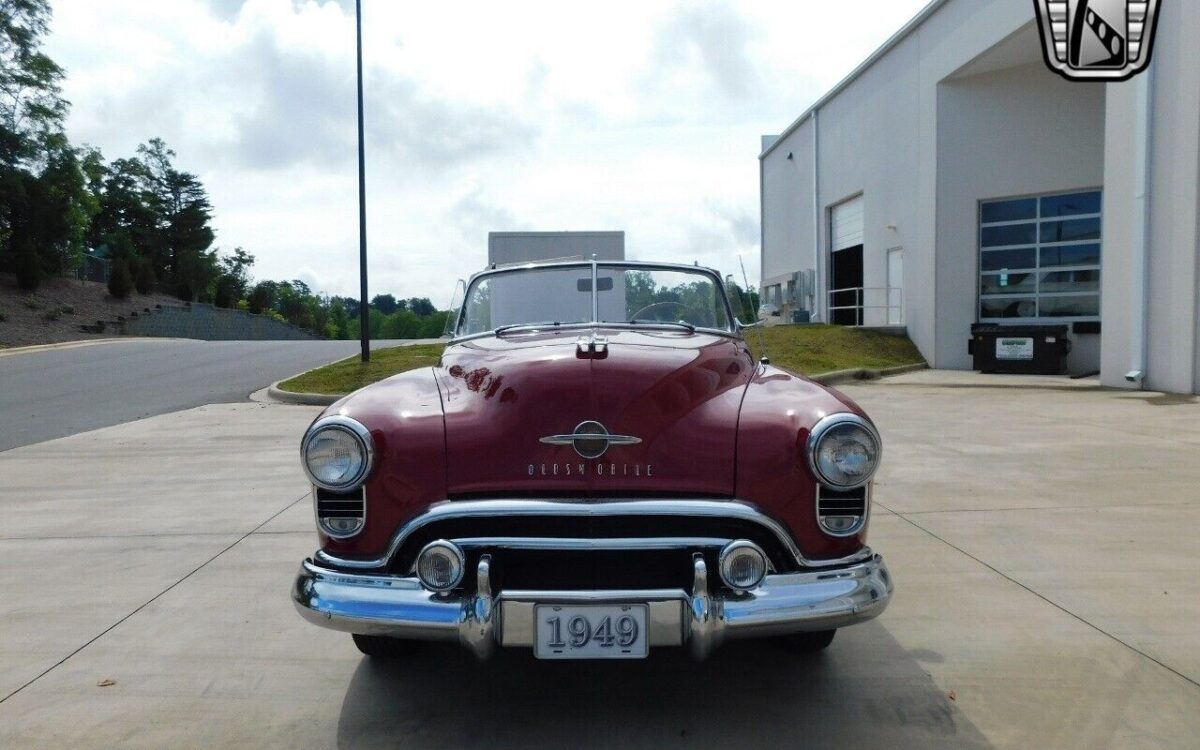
{"x":401,"y":607}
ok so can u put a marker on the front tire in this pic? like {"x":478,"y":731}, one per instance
{"x":383,"y":647}
{"x":807,"y":643}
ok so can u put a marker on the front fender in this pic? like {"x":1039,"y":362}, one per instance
{"x":405,"y":417}
{"x":778,"y":412}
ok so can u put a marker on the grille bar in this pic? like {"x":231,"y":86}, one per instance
{"x":336,"y":511}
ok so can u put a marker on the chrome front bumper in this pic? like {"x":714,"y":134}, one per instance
{"x":401,"y":607}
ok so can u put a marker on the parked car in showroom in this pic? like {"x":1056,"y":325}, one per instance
{"x":598,"y":466}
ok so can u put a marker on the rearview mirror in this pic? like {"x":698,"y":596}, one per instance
{"x":603,"y":284}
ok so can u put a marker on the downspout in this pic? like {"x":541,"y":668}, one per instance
{"x":1143,"y":153}
{"x":819,"y":300}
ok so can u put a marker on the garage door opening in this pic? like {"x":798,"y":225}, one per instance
{"x":846,"y":263}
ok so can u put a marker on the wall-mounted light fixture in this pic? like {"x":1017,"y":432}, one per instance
{"x":789,"y":155}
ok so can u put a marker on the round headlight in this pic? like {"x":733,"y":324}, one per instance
{"x":844,"y":451}
{"x":337,"y":453}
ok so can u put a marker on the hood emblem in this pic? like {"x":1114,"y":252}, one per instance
{"x":590,"y":439}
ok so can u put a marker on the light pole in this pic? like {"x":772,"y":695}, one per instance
{"x":364,"y":317}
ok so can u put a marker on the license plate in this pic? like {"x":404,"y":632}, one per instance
{"x":591,"y":631}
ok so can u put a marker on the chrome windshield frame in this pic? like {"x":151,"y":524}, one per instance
{"x":593,"y":265}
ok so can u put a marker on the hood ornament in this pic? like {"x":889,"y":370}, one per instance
{"x":590,"y":439}
{"x":591,"y":346}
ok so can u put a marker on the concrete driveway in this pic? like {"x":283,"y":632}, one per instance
{"x":1041,"y":534}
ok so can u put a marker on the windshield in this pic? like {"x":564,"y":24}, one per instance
{"x":563,"y":295}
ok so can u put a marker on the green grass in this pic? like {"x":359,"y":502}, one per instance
{"x":351,"y":374}
{"x":816,"y":349}
{"x":807,"y":349}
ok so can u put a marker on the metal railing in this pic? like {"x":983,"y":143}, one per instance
{"x":851,"y":306}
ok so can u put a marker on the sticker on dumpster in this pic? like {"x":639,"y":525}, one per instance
{"x":1013,"y":348}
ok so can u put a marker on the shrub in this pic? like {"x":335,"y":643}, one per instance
{"x":143,"y":278}
{"x":67,"y":310}
{"x":3,"y":317}
{"x":120,"y":282}
{"x":227,"y":291}
{"x":50,"y":315}
{"x":31,"y":302}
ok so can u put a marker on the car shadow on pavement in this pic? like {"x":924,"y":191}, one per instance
{"x":864,"y":691}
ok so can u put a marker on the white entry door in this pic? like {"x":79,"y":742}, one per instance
{"x":895,"y":286}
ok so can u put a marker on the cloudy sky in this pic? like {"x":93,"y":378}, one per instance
{"x":643,"y":116}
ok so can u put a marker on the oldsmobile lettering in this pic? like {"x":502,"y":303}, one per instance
{"x":597,"y":466}
{"x":598,"y":469}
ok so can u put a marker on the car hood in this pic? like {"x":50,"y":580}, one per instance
{"x":678,"y":393}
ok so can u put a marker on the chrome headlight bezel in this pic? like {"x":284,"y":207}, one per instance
{"x":361,"y":436}
{"x":821,"y":430}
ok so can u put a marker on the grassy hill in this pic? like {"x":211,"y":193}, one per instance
{"x":815,"y":349}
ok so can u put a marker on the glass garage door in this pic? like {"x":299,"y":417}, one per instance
{"x":1039,"y":258}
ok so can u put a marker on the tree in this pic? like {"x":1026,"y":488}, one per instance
{"x":32,"y":109}
{"x":42,"y":205}
{"x":421,"y":306}
{"x":262,"y":297}
{"x":226,"y":293}
{"x":120,"y":282}
{"x":64,"y":211}
{"x":123,"y":205}
{"x":183,"y":215}
{"x":233,"y":279}
{"x":384,"y":303}
{"x":143,"y":276}
{"x":339,"y":319}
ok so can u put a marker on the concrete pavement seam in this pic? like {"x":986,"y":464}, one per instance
{"x":167,"y":535}
{"x":1051,"y":602}
{"x":154,"y":598}
{"x":1053,"y":507}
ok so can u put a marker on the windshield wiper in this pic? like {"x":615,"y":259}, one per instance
{"x":515,"y":326}
{"x":677,"y":323}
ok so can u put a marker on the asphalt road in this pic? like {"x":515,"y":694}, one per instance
{"x":53,"y":393}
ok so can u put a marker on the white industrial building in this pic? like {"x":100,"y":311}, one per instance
{"x":952,"y":178}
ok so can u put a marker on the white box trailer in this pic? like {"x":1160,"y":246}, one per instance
{"x":505,"y":248}
{"x":533,"y":303}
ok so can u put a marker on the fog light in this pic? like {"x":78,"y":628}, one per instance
{"x":743,"y":565}
{"x":440,"y":565}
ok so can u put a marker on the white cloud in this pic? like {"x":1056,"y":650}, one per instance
{"x":642,"y":116}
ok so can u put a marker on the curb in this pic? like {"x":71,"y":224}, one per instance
{"x":78,"y":343}
{"x":862,"y":373}
{"x":275,"y":393}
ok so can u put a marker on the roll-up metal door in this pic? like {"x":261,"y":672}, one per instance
{"x":846,"y":224}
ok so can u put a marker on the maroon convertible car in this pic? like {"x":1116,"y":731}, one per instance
{"x":598,"y":466}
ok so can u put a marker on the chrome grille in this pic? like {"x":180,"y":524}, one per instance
{"x":842,"y":512}
{"x":341,"y":514}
